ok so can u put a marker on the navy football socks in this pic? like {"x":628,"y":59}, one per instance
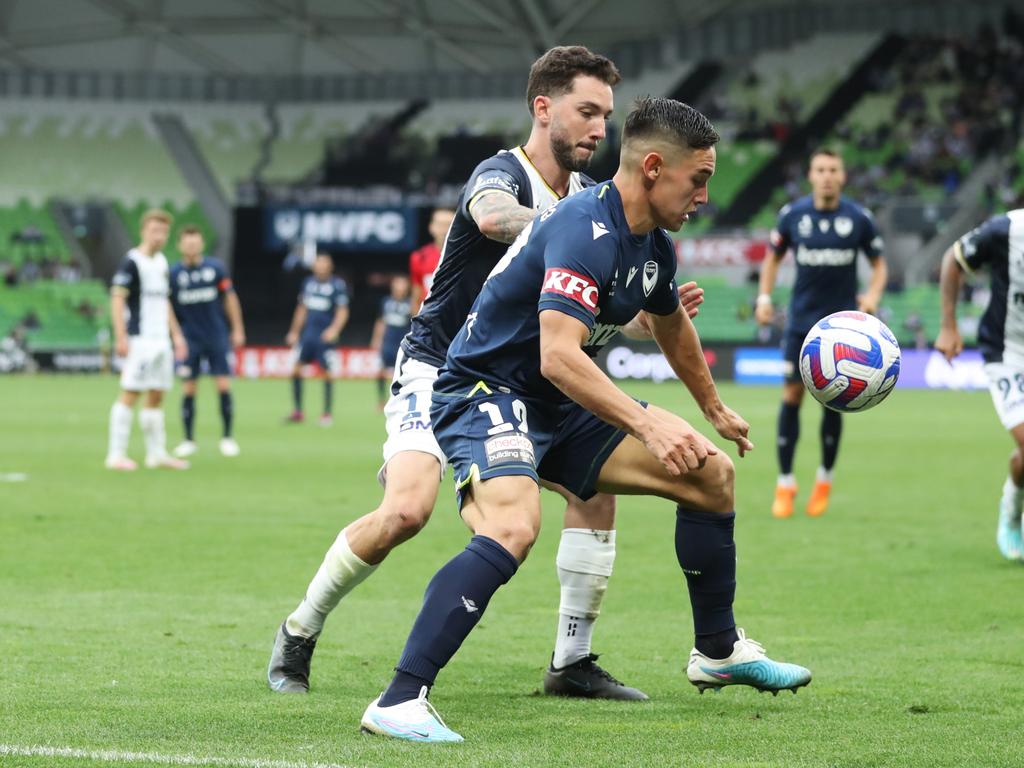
{"x":188,"y":414}
{"x":227,"y":412}
{"x":831,"y":429}
{"x":453,"y":604}
{"x":297,"y":393}
{"x":328,"y":396}
{"x":707,"y":554}
{"x":788,"y":434}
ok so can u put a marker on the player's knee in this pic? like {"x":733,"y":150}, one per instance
{"x":405,"y":517}
{"x":720,"y":484}
{"x":517,"y":536}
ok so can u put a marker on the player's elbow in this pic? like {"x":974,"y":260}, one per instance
{"x":489,"y":226}
{"x":553,"y":364}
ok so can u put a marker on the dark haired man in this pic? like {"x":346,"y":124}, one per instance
{"x":520,"y":398}
{"x":570,"y":97}
{"x":205,"y":302}
{"x":826,"y":232}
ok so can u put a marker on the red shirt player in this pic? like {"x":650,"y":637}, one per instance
{"x":423,"y":261}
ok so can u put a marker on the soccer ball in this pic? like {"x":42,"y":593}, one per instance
{"x":850,"y":361}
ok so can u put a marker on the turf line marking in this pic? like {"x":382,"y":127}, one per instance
{"x":116,"y":756}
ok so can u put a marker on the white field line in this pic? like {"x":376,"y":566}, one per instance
{"x":118,"y":756}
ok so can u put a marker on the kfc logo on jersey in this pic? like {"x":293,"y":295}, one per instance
{"x":577,"y":287}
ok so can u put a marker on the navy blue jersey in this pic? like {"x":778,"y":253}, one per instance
{"x":579,"y":258}
{"x":197,"y":295}
{"x":321,"y":300}
{"x":998,"y":244}
{"x":395,"y":314}
{"x":468,"y":256}
{"x":825,"y":245}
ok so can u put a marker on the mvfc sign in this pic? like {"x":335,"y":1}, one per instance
{"x":354,"y":229}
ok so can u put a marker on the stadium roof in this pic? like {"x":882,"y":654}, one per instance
{"x":307,"y":37}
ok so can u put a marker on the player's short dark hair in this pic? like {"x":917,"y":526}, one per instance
{"x":553,"y":73}
{"x":827,"y":152}
{"x":671,"y":120}
{"x":189,"y":229}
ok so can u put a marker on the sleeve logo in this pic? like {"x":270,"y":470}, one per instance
{"x":572,"y":285}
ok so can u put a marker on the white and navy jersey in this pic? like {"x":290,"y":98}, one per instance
{"x":197,"y":295}
{"x":468,"y":256}
{"x":999,"y":245}
{"x":395,"y":314}
{"x":579,"y":258}
{"x":825,"y":245}
{"x":144,"y":280}
{"x":321,"y":298}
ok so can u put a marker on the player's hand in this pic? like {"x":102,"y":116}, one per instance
{"x":180,"y":347}
{"x":764,"y":313}
{"x":691,"y":296}
{"x":731,"y":426}
{"x":121,"y":346}
{"x":950,"y":343}
{"x":868,"y":304}
{"x":678,"y":446}
{"x":328,"y":336}
{"x":238,"y":339}
{"x":292,"y":338}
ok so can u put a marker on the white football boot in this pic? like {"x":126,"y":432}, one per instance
{"x":120,"y":464}
{"x":186,"y":449}
{"x":414,"y":720}
{"x":228,"y":447}
{"x":165,"y":462}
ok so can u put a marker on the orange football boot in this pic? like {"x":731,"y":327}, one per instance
{"x":818,"y":503}
{"x":783,"y":504}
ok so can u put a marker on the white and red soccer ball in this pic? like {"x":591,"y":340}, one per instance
{"x":850,"y":361}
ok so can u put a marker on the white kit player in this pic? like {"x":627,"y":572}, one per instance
{"x":144,"y":327}
{"x":998,"y":244}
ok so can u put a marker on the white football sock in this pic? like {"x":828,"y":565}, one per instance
{"x":584,"y":563}
{"x":120,"y":430}
{"x":823,"y":475}
{"x":339,"y":573}
{"x":152,"y":422}
{"x":1012,"y":502}
{"x":787,"y":481}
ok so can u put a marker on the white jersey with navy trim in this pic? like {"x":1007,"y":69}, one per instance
{"x":998,"y":244}
{"x":145,"y":281}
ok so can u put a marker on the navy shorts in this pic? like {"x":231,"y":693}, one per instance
{"x":792,"y":341}
{"x":217,"y":357}
{"x":495,"y":434}
{"x":314,"y":350}
{"x":388,"y":355}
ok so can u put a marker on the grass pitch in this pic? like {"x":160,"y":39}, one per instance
{"x":137,"y":611}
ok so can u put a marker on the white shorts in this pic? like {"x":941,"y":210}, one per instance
{"x":149,"y":365}
{"x":407,"y":413}
{"x":1006,"y":385}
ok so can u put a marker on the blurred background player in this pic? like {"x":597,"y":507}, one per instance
{"x":205,"y":301}
{"x":144,"y":325}
{"x":826,"y":232}
{"x":1001,"y":340}
{"x":319,"y":317}
{"x":389,"y":330}
{"x":423,"y":261}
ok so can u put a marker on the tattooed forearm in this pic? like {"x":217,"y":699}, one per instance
{"x":500,"y":217}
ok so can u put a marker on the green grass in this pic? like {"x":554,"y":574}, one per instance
{"x":137,"y":611}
